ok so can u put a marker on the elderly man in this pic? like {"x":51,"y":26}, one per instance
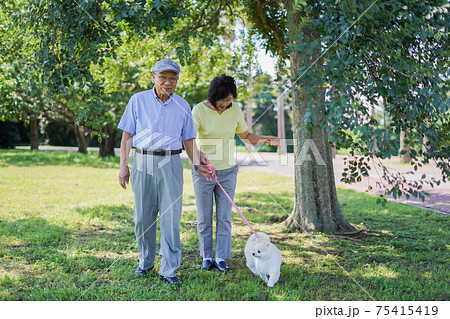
{"x":157,"y":122}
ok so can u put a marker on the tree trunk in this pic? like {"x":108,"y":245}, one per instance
{"x":316,"y":207}
{"x":404,"y":158}
{"x":375,"y":146}
{"x":425,"y":142}
{"x":34,"y":133}
{"x":82,"y":139}
{"x":282,"y":149}
{"x":107,"y":144}
{"x":333,"y":152}
{"x":383,"y":136}
{"x":249,"y":105}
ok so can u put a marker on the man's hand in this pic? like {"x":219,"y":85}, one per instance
{"x":204,"y":170}
{"x":124,"y":176}
{"x":272,"y":140}
{"x":203,"y":158}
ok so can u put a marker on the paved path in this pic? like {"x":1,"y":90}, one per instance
{"x":439,"y":199}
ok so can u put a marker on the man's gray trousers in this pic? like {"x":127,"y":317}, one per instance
{"x":157,"y":183}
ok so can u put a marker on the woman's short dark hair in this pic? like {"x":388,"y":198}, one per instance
{"x":220,"y":88}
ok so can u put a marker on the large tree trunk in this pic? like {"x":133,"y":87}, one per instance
{"x":316,"y":207}
{"x":107,"y":144}
{"x":82,"y":139}
{"x":34,"y":133}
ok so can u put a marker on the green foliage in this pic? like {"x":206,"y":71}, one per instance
{"x":349,"y":56}
{"x":89,"y":57}
{"x":87,"y":32}
{"x":73,"y":36}
{"x":404,"y":64}
{"x":204,"y":65}
{"x":269,"y":19}
{"x":20,"y":96}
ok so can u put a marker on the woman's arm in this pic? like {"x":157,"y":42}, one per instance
{"x":259,"y":139}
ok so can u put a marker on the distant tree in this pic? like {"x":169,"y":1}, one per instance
{"x":265,"y":113}
{"x":99,"y":48}
{"x":20,"y":98}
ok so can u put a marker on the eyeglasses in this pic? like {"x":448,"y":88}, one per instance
{"x":227,"y":101}
{"x":163,"y":78}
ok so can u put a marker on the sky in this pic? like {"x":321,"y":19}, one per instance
{"x":267,"y":63}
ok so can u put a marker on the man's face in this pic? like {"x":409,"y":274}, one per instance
{"x":165,"y":83}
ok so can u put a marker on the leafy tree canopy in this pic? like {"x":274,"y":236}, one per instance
{"x":356,"y":51}
{"x":361,"y":51}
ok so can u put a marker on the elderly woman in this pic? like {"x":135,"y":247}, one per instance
{"x":216,"y":121}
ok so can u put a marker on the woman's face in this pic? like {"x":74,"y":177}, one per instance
{"x":223,"y":104}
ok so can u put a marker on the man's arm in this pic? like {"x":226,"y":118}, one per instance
{"x":125,"y":147}
{"x":197,"y":157}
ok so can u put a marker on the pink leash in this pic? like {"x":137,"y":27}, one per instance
{"x":213,"y":169}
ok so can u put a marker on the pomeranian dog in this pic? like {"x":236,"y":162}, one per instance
{"x":263,"y":258}
{"x":250,"y":248}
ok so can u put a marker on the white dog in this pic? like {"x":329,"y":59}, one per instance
{"x":263,"y":258}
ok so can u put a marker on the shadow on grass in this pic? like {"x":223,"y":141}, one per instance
{"x":120,"y":213}
{"x":38,"y":259}
{"x":261,"y":208}
{"x":32,"y":241}
{"x":34,"y":231}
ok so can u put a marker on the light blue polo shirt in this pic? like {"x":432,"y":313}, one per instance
{"x":157,"y":125}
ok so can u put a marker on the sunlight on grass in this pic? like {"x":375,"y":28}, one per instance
{"x":379,"y":271}
{"x":65,"y":221}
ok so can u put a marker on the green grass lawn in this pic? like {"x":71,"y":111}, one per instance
{"x":67,"y":233}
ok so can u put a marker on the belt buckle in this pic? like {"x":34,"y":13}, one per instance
{"x":160,"y":153}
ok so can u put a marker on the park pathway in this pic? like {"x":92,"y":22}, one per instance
{"x":439,"y":199}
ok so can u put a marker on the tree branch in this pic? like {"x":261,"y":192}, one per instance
{"x":202,"y":15}
{"x":278,"y":35}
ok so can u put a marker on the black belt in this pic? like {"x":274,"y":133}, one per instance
{"x":157,"y":153}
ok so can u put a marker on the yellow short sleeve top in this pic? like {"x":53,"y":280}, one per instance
{"x":215,"y":133}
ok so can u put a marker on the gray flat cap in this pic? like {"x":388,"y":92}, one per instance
{"x":166,"y":65}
